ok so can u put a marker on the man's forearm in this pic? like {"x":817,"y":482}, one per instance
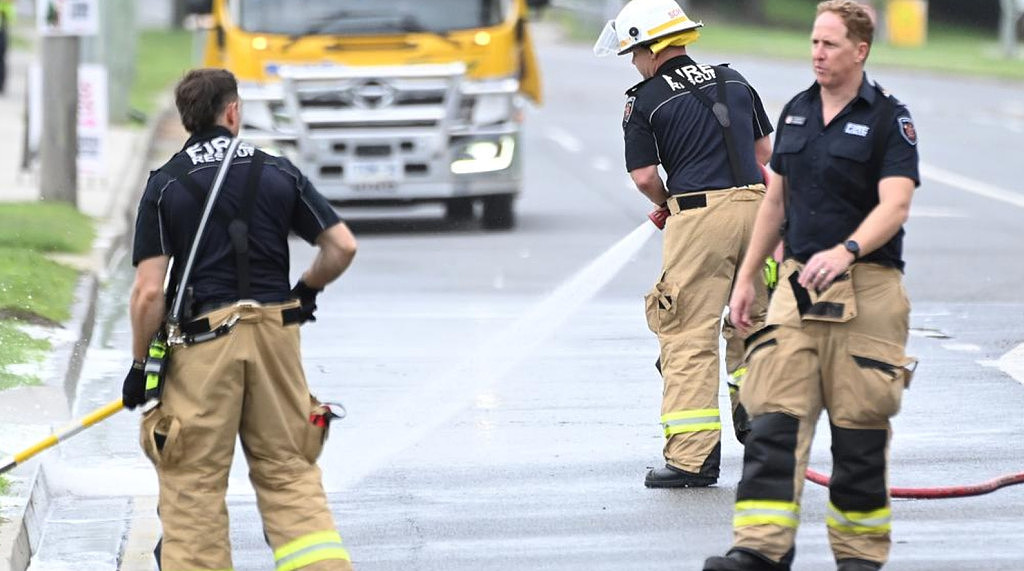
{"x":880,"y":226}
{"x":147,"y":314}
{"x":337,"y":250}
{"x":648,"y":181}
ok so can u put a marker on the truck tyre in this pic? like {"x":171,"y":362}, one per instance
{"x":498,"y":212}
{"x":458,"y":210}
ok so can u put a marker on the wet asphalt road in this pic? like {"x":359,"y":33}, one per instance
{"x":482,"y":436}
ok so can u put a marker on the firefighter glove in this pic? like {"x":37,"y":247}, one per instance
{"x":659,"y":215}
{"x":307,"y":298}
{"x":133,"y":391}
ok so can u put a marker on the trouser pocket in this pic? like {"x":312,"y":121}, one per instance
{"x":662,"y":307}
{"x":160,"y":438}
{"x":871,"y":381}
{"x":318,"y":427}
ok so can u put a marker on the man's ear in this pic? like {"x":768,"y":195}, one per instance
{"x":233,"y":115}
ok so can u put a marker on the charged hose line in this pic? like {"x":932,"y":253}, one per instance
{"x":940,"y":492}
{"x":109,"y":409}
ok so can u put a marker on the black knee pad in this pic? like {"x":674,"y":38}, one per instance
{"x":858,"y":468}
{"x":769,"y":458}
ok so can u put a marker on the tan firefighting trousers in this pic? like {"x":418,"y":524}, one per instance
{"x":845,"y":354}
{"x":248,"y":383}
{"x":702,"y":250}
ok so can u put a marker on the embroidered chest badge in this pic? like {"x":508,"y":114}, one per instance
{"x":629,"y":109}
{"x":907,"y":130}
{"x":795,"y":119}
{"x":857,"y":129}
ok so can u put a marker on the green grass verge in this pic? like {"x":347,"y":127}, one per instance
{"x":34,"y":288}
{"x":163,"y":56}
{"x":45,"y":227}
{"x":17,"y":347}
{"x":5,"y":486}
{"x":948,"y":50}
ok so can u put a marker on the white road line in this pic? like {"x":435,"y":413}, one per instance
{"x":970,"y":185}
{"x":928,"y":212}
{"x":965,"y":347}
{"x":564,"y":139}
{"x":1012,"y":363}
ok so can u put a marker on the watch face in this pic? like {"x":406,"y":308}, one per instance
{"x":853,"y":247}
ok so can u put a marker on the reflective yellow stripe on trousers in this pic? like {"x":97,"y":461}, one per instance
{"x":691,"y":421}
{"x":874,"y":521}
{"x":734,"y":380}
{"x":763,"y":512}
{"x":309,"y":549}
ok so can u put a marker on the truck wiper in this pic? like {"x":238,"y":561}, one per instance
{"x":402,"y":22}
{"x":409,"y":23}
{"x":321,"y":25}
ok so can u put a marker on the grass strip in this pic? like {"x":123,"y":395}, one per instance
{"x":18,"y":347}
{"x":948,"y":50}
{"x":162,"y":58}
{"x":45,"y":227}
{"x":34,"y":288}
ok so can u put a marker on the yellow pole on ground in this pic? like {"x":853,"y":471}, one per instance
{"x":63,"y":434}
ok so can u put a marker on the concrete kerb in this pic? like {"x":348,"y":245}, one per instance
{"x":30,"y":494}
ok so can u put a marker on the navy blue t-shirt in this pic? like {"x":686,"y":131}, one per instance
{"x":285,"y":202}
{"x":664,"y":123}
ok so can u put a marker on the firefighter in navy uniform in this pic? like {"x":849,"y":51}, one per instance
{"x":247,"y":381}
{"x":707,"y":127}
{"x":846,"y":155}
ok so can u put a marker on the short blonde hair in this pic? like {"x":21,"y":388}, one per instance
{"x":860,"y":27}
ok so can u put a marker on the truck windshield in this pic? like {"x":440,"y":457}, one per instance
{"x":298,"y":18}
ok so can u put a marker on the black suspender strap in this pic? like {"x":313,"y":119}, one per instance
{"x":238,"y":229}
{"x":720,"y":109}
{"x":196,"y":190}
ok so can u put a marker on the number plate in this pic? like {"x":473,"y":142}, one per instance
{"x":373,"y":172}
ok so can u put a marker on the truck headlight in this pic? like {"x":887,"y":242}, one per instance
{"x":484,"y":156}
{"x":489,"y":102}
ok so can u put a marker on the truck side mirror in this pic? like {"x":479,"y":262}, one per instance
{"x":199,"y":6}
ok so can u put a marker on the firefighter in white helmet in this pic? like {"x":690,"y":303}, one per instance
{"x":706,"y":126}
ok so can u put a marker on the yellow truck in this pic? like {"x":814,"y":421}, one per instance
{"x":386,"y":102}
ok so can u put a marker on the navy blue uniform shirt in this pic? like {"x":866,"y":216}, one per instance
{"x":285,"y":202}
{"x":832,"y":171}
{"x":666,"y":124}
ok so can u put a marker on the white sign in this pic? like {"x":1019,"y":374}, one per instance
{"x":68,"y":17}
{"x":92,"y":118}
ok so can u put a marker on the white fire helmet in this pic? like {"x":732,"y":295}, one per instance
{"x":642,"y":22}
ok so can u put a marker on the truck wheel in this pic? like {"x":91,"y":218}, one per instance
{"x":458,"y":210}
{"x":498,"y":212}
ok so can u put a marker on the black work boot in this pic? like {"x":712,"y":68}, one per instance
{"x":854,"y":564}
{"x":743,"y":560}
{"x":672,"y":477}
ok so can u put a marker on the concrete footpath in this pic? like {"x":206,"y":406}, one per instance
{"x":29,"y":414}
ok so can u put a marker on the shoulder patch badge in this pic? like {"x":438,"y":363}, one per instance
{"x":629,"y":109}
{"x":907,"y":130}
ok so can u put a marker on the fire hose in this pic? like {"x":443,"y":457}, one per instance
{"x":938,"y":493}
{"x":68,"y":431}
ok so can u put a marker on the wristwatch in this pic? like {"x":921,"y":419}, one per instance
{"x":852,"y":247}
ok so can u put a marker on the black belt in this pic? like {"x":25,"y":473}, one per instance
{"x":199,"y":330}
{"x":690,"y":201}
